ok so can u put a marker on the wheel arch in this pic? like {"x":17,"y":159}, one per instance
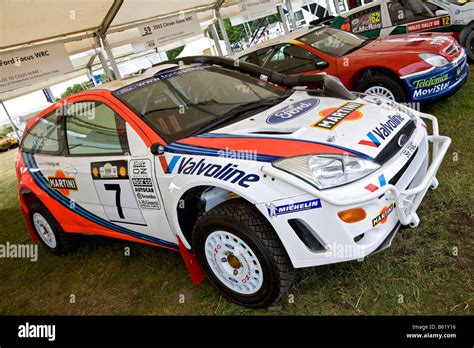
{"x":367,"y":72}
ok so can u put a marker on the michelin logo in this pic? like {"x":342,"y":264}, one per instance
{"x":274,"y":210}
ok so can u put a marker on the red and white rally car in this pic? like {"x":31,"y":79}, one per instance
{"x":244,"y":173}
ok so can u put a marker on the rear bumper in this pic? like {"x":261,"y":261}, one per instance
{"x":389,"y":207}
{"x":438,"y":82}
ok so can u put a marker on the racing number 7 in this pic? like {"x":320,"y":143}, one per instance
{"x":116,"y":188}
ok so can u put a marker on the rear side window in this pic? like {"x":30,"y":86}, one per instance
{"x":43,"y":137}
{"x":93,"y":128}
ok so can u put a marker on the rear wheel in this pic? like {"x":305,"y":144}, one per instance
{"x":241,"y":254}
{"x":50,"y":232}
{"x":384,"y":86}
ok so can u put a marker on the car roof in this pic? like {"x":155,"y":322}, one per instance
{"x":134,"y":77}
{"x":281,"y":39}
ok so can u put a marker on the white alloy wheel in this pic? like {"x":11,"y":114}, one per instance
{"x":233,"y":262}
{"x":44,"y":230}
{"x":381,"y":91}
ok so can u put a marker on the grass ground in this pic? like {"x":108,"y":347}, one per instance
{"x":419,"y":274}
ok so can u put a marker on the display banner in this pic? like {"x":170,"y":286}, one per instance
{"x":25,"y":66}
{"x":170,"y":30}
{"x":254,"y":9}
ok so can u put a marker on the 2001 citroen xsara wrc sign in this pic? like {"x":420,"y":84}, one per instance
{"x":248,"y":178}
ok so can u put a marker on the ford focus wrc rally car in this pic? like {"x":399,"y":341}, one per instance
{"x":244,"y":171}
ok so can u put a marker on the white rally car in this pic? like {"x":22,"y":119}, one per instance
{"x":243,"y":171}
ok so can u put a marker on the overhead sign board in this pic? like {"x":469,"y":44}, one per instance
{"x":170,"y":30}
{"x":255,"y":9}
{"x":26,"y":66}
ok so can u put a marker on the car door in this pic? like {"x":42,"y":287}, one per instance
{"x":113,"y":171}
{"x":367,"y":22}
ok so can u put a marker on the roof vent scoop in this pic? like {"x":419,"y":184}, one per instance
{"x":331,"y":87}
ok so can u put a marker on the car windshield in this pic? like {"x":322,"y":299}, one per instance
{"x":334,"y":42}
{"x":180,"y":103}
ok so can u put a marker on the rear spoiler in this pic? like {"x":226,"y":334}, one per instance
{"x":330,"y":86}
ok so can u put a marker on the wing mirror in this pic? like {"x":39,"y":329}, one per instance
{"x":321,"y":64}
{"x":441,"y":13}
{"x":157,"y":149}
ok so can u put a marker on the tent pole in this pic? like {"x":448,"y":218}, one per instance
{"x":224,"y":32}
{"x":10,"y":119}
{"x":103,"y":61}
{"x":283,"y":19}
{"x":105,"y":45}
{"x":215,"y":37}
{"x":291,"y":14}
{"x":338,"y":10}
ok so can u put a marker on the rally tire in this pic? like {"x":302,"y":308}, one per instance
{"x":61,"y":242}
{"x":385,"y":82}
{"x":470,"y":45}
{"x":245,"y":222}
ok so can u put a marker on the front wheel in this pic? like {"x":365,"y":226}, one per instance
{"x":241,"y":254}
{"x":384,"y":86}
{"x":470,"y":45}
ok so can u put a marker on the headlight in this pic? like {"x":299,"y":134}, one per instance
{"x":434,"y":59}
{"x":326,"y":171}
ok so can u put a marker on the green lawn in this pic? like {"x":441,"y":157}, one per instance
{"x":418,"y":275}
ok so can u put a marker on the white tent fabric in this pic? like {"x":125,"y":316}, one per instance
{"x":25,"y":21}
{"x":74,"y":22}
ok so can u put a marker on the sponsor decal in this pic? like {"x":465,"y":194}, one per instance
{"x":142,"y":183}
{"x":189,"y":166}
{"x":382,"y":132}
{"x":292,"y":111}
{"x":109,"y":170}
{"x":429,"y":24}
{"x":274,"y":210}
{"x":435,"y":80}
{"x":383,"y":215}
{"x":373,"y":188}
{"x":64,"y":184}
{"x":431,"y":90}
{"x":332,"y":117}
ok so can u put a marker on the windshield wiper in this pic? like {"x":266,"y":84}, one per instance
{"x":238,"y":111}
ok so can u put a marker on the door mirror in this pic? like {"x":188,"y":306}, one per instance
{"x":157,"y":149}
{"x":321,"y":64}
{"x":441,"y":13}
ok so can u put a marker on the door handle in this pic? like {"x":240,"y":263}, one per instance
{"x":70,"y":170}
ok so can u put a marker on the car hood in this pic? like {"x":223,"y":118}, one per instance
{"x":303,"y":124}
{"x":409,"y":43}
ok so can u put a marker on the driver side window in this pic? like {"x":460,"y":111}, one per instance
{"x":407,"y":11}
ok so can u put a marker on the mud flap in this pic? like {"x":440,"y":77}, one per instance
{"x":197,"y":276}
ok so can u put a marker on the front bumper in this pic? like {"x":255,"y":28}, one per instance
{"x":437,"y":82}
{"x":342,"y":241}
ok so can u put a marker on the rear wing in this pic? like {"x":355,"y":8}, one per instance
{"x":330,"y":86}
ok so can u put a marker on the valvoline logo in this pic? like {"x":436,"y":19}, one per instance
{"x":379,"y":134}
{"x":189,"y":166}
{"x":292,"y":111}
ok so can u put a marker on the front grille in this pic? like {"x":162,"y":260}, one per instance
{"x":392,"y":147}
